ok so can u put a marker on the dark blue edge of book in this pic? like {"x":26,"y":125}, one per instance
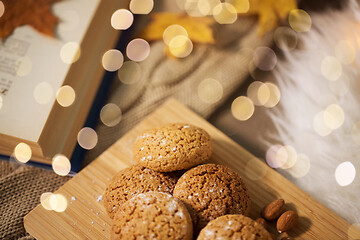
{"x":93,"y":115}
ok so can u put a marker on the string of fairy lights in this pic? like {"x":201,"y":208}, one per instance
{"x":210,"y":90}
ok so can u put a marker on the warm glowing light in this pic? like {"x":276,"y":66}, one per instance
{"x":110,"y":115}
{"x":355,"y":133}
{"x":180,"y":46}
{"x":276,"y":156}
{"x":112,"y":60}
{"x":45,"y":200}
{"x":61,"y":165}
{"x":141,"y":6}
{"x":259,"y":93}
{"x":242,"y":108}
{"x":285,"y":38}
{"x":122,"y":19}
{"x":291,"y":156}
{"x":206,"y":7}
{"x":43,"y":93}
{"x":138,"y":50}
{"x":319,"y":125}
{"x":264,"y":58}
{"x":301,"y":167}
{"x":334,"y":116}
{"x":22,"y":152}
{"x":331,"y":68}
{"x":70,"y":52}
{"x":191,"y":7}
{"x":225,"y":13}
{"x":241,"y":6}
{"x":274,"y":95}
{"x":345,"y":174}
{"x":2,"y":8}
{"x":130,"y":72}
{"x":173,"y":31}
{"x":210,"y":90}
{"x":300,"y":20}
{"x":87,"y":138}
{"x":23,"y":66}
{"x":345,"y":52}
{"x":65,"y":96}
{"x":255,"y":169}
{"x":58,"y":202}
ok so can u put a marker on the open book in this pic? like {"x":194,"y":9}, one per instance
{"x":34,"y":66}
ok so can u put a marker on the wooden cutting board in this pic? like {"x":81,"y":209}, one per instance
{"x":85,"y":216}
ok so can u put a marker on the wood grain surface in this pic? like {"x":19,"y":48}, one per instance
{"x":85,"y":216}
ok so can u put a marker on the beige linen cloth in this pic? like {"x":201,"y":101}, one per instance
{"x":162,"y":77}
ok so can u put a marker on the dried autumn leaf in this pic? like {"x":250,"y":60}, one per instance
{"x":36,"y":13}
{"x":198,"y":28}
{"x":270,"y":12}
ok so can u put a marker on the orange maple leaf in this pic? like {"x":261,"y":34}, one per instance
{"x":36,"y":13}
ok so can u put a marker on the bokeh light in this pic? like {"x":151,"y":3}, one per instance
{"x":122,"y":19}
{"x":331,"y":68}
{"x":61,"y":165}
{"x":65,"y":96}
{"x":319,"y":125}
{"x":130,"y":72}
{"x":334,"y":116}
{"x":180,"y":46}
{"x":191,"y":7}
{"x":242,"y":108}
{"x":70,"y":52}
{"x":285,"y":38}
{"x":300,"y":20}
{"x":23,"y":66}
{"x":353,"y":231}
{"x":2,"y":8}
{"x":301,"y":167}
{"x":43,"y":93}
{"x":45,"y":200}
{"x":225,"y":13}
{"x":255,"y":169}
{"x":112,"y":60}
{"x":110,"y":115}
{"x":345,"y":173}
{"x":258,"y":92}
{"x":58,"y":202}
{"x":172,"y":31}
{"x":22,"y":152}
{"x":241,"y":6}
{"x":87,"y":138}
{"x":291,"y":156}
{"x":355,"y":133}
{"x":345,"y":52}
{"x":276,"y":156}
{"x":138,"y":50}
{"x":141,"y":6}
{"x":210,"y":90}
{"x":206,"y":7}
{"x":264,"y":58}
{"x":275,"y":95}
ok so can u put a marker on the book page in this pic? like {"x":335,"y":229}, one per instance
{"x":32,"y":70}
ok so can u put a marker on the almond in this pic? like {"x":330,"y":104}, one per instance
{"x":273,"y":210}
{"x":261,"y":221}
{"x":287,"y":221}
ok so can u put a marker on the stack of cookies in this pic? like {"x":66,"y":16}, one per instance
{"x":159,"y":199}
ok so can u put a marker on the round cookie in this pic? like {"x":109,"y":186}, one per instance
{"x":132,"y":181}
{"x":234,"y":227}
{"x":152,"y":215}
{"x":210,"y":191}
{"x":173,"y":147}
